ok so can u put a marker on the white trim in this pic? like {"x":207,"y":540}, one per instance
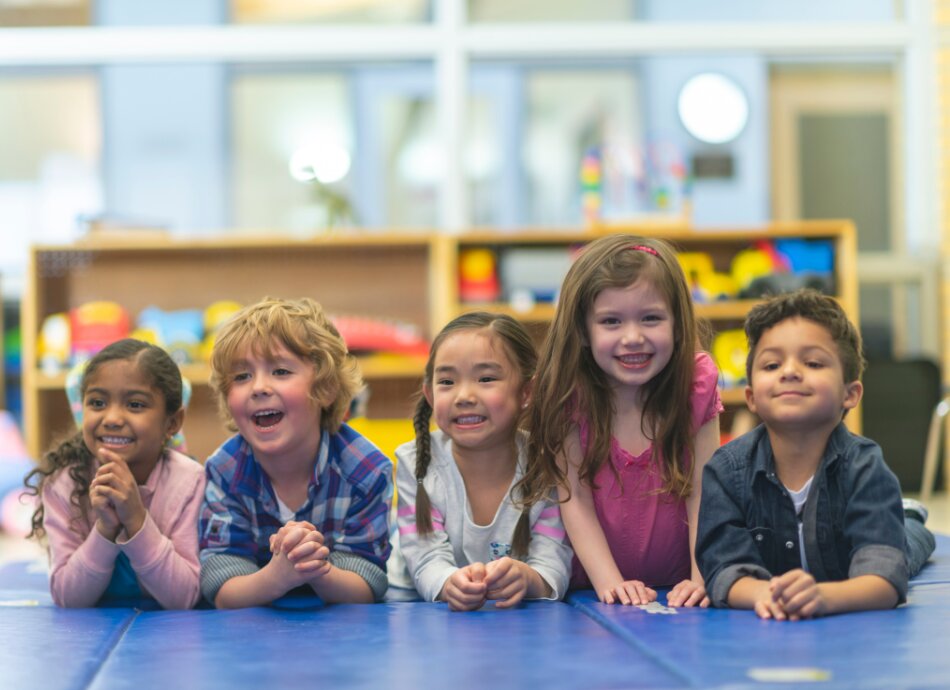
{"x":451,"y":100}
{"x":125,"y":45}
{"x":108,"y":45}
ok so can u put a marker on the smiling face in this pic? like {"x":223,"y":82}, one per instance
{"x":476,"y":392}
{"x":797,"y":380}
{"x":123,"y":412}
{"x":270,"y":401}
{"x":630,"y":333}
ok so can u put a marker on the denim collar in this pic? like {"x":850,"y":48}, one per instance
{"x":763,"y":460}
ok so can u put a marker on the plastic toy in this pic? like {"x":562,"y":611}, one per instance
{"x":706,"y":284}
{"x":730,"y":350}
{"x":215,"y":316}
{"x":94,"y":325}
{"x":591,"y":185}
{"x":178,"y":332}
{"x":478,"y":276}
{"x":53,"y":347}
{"x":365,"y":334}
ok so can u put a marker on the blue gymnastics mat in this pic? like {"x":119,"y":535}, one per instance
{"x":554,"y":646}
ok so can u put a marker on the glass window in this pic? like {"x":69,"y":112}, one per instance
{"x":412,"y":159}
{"x":293,"y":144}
{"x":550,"y":10}
{"x":328,"y":11}
{"x":50,"y":148}
{"x":45,"y":12}
{"x":582,"y":129}
{"x":681,"y":11}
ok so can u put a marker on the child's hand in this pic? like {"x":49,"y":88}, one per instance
{"x":107,"y":522}
{"x":798,"y":594}
{"x":114,"y":481}
{"x":292,"y":533}
{"x":310,"y":555}
{"x":629,"y":592}
{"x":688,"y":593}
{"x":465,"y":590}
{"x":506,"y":581}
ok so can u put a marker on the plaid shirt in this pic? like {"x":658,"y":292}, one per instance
{"x":348,"y":500}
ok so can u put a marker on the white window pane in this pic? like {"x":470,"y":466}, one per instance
{"x":50,"y":147}
{"x":276,"y":117}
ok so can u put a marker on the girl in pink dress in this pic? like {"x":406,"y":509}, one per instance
{"x":625,"y":413}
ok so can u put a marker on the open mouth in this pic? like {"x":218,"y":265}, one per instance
{"x":469,"y":419}
{"x":267,"y":418}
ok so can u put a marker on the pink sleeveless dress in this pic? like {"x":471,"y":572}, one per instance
{"x":647,"y":530}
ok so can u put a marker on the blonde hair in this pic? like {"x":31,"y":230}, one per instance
{"x":570,"y":383}
{"x":301,"y":326}
{"x":519,"y":347}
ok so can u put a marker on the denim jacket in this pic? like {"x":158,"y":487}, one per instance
{"x":853,"y":519}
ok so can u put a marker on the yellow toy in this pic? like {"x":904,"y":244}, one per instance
{"x":705,"y":283}
{"x":54,"y":344}
{"x":730,"y":350}
{"x":215,"y":316}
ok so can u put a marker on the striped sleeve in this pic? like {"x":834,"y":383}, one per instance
{"x":430,"y":559}
{"x":550,"y":553}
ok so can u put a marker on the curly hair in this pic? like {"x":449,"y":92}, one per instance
{"x":301,"y":326}
{"x":71,"y":455}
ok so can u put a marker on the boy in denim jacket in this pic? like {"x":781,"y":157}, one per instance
{"x":801,"y":518}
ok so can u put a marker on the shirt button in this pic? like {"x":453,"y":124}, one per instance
{"x":789,"y":545}
{"x":759,"y":537}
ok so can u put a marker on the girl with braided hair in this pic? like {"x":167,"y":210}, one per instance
{"x":463,"y":537}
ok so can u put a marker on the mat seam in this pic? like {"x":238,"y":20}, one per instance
{"x":632,"y":640}
{"x":117,"y":638}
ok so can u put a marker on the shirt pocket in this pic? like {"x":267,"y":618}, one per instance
{"x":764,"y":540}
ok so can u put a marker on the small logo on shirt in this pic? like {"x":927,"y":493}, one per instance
{"x":499,"y":550}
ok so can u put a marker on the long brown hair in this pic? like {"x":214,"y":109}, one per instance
{"x":520,"y":349}
{"x":570,"y":383}
{"x":71,"y":455}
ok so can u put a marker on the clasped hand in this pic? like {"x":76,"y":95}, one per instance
{"x":792,"y":596}
{"x":299,"y":553}
{"x":115,"y":498}
{"x":504,"y":581}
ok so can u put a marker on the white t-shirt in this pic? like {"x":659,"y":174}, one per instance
{"x":798,"y":498}
{"x":424,"y":564}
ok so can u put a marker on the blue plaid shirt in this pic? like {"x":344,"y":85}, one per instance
{"x":348,"y":500}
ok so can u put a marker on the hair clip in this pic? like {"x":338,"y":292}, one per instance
{"x":643,"y":248}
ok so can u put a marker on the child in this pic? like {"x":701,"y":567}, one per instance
{"x":800,"y":517}
{"x":462,"y":539}
{"x":117,"y":506}
{"x":297,"y":498}
{"x":625,"y":415}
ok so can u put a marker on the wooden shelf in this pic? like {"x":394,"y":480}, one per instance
{"x":405,"y":277}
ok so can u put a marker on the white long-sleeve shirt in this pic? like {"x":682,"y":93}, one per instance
{"x":424,"y":564}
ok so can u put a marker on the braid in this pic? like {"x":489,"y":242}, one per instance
{"x":423,"y":456}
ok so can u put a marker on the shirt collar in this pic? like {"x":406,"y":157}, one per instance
{"x":250,"y":479}
{"x":763,"y":460}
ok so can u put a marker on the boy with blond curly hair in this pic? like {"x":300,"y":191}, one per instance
{"x":296,"y":499}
